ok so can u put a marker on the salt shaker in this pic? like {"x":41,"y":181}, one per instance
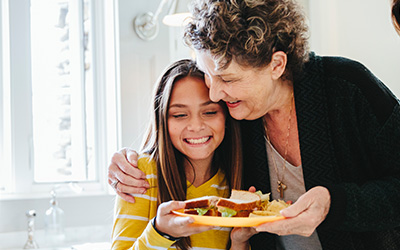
{"x":31,"y":243}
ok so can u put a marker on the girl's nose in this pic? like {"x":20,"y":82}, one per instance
{"x":196,"y":124}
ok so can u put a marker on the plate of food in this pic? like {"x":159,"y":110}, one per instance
{"x":242,"y":209}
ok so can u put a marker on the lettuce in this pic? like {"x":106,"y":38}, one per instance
{"x":264,"y":197}
{"x":227,"y":212}
{"x":202,"y":211}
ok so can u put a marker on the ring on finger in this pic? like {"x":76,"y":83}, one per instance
{"x":115,"y":183}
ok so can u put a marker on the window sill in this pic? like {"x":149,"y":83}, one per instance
{"x":63,"y":190}
{"x":35,"y":196}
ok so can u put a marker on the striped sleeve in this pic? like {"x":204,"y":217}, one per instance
{"x":150,"y":239}
{"x":132,"y":228}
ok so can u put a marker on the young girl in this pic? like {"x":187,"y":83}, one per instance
{"x":192,"y":149}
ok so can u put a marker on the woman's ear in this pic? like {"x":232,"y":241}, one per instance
{"x":278,"y":64}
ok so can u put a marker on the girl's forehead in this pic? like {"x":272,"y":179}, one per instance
{"x":190,"y":90}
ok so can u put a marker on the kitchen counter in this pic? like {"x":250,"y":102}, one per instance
{"x":79,"y":238}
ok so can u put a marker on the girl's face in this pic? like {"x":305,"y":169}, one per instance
{"x":196,"y":125}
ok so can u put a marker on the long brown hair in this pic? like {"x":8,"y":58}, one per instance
{"x":170,"y":170}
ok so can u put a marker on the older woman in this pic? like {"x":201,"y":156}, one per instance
{"x":321,"y":131}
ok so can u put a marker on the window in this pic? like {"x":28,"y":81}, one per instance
{"x":58,"y":103}
{"x":5,"y":172}
{"x":62,"y":91}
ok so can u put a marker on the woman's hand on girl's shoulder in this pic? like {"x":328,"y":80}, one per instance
{"x":124,"y":175}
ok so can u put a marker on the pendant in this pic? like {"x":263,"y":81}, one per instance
{"x":281,"y":187}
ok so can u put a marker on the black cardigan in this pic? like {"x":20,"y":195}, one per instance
{"x":349,"y":132}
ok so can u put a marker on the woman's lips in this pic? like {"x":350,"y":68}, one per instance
{"x":233,"y":104}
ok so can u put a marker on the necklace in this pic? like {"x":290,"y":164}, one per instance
{"x":281,"y":185}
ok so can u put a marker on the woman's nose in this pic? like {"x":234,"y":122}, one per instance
{"x":216,"y":88}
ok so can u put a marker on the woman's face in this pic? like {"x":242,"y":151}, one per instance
{"x":249,"y":93}
{"x":196,"y":125}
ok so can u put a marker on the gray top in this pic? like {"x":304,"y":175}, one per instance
{"x":293,"y":179}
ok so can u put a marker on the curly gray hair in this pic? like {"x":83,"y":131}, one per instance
{"x":249,"y":31}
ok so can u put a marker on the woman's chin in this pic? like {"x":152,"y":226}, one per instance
{"x":244,"y":116}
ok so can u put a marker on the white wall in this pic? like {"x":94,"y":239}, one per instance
{"x":140,"y":62}
{"x":361,"y":30}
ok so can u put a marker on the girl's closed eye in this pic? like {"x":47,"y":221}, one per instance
{"x":178,"y":115}
{"x":209,"y":113}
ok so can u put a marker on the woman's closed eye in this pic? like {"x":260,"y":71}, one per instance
{"x":226,"y":81}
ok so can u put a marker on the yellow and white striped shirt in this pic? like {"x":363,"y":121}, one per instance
{"x":132,"y":227}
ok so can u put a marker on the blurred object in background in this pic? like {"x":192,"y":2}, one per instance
{"x":396,"y":15}
{"x":54,"y":222}
{"x":31,"y":243}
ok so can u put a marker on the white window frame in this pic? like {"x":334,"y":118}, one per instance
{"x":15,"y":148}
